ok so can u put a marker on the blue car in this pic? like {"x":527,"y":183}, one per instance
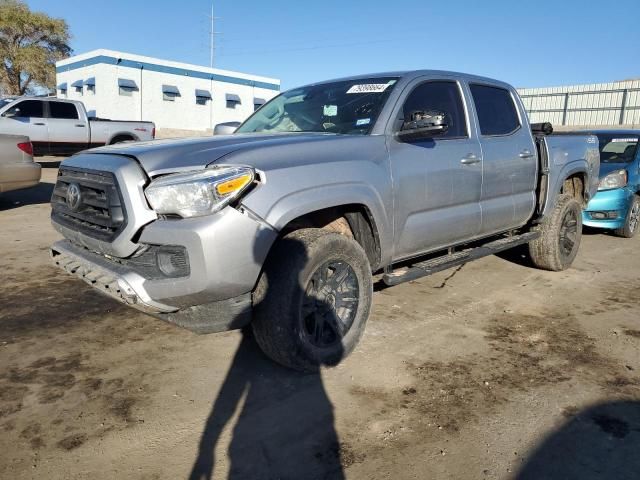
{"x":616,"y":206}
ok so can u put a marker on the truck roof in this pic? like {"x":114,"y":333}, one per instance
{"x":411,"y":74}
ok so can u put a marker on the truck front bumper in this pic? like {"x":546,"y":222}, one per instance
{"x":608,"y":208}
{"x":225,"y":254}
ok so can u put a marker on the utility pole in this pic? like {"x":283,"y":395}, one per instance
{"x":212,"y":37}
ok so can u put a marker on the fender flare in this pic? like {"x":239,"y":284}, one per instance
{"x":568,"y":170}
{"x":301,"y":202}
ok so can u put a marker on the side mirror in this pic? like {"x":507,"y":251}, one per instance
{"x":226,"y":128}
{"x":14,"y":112}
{"x":423,"y":125}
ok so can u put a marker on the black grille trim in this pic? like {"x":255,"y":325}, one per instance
{"x":147,"y":263}
{"x":101,"y":213}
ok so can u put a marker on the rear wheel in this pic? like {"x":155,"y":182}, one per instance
{"x":632,"y":221}
{"x":560,"y":236}
{"x":313,"y":299}
{"x":120,"y":139}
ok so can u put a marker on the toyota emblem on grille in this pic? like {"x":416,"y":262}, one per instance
{"x":73,"y":196}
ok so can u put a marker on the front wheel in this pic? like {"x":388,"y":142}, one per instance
{"x":560,"y":235}
{"x":632,"y":220}
{"x":313,"y":299}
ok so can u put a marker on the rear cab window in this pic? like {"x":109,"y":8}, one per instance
{"x":63,"y":110}
{"x":497,"y":113}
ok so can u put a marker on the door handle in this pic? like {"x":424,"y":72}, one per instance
{"x":80,"y":125}
{"x":525,"y":154}
{"x":38,"y":123}
{"x":470,"y":159}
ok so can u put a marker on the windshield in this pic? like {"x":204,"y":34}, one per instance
{"x":347,"y":107}
{"x":620,"y":148}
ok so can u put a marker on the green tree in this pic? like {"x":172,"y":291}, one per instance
{"x":30,"y":45}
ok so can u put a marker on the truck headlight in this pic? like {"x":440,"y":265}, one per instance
{"x":194,"y":194}
{"x":617,"y":179}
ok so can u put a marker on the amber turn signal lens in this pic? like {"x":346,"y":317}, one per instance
{"x":233,"y":185}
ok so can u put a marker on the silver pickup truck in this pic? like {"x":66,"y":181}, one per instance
{"x":62,"y":127}
{"x":284,"y":224}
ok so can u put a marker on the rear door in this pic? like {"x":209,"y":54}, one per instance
{"x":436,"y":181}
{"x":509,"y":156}
{"x":68,"y":132}
{"x":27,"y":117}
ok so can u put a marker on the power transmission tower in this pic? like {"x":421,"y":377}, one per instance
{"x":212,"y":37}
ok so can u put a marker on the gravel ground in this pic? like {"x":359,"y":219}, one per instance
{"x":494,"y":370}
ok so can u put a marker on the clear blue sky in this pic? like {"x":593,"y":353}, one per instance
{"x":528,"y":44}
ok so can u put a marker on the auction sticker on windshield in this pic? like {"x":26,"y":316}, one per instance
{"x":369,"y":88}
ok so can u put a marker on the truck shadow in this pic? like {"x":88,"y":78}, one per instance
{"x":601,"y":442}
{"x":35,"y":195}
{"x":283,"y":420}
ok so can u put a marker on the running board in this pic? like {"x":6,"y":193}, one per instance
{"x":444,"y":262}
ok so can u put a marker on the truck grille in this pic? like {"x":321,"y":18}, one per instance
{"x":88,"y":201}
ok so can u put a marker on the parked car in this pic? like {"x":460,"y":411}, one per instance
{"x":282,"y":224}
{"x":61,"y":127}
{"x":17,"y":168}
{"x":616,"y":206}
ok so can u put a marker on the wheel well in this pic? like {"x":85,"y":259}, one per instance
{"x":354,"y":221}
{"x":575,"y":186}
{"x":121,"y":138}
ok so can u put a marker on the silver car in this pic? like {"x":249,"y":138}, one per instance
{"x":17,"y":168}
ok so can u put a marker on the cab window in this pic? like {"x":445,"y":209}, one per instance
{"x":26,"y":109}
{"x":63,"y":110}
{"x":442,"y":96}
{"x":497,"y":114}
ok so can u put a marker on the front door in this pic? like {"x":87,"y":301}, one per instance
{"x":27,"y":117}
{"x":436,"y":181}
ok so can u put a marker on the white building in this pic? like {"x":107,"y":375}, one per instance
{"x":176,"y":96}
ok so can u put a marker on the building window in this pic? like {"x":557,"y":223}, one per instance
{"x":77,"y":85}
{"x":258,"y":102}
{"x":63,"y":89}
{"x":202,"y":96}
{"x":169,"y":93}
{"x":126,"y":87}
{"x":233,"y":100}
{"x":90,"y":83}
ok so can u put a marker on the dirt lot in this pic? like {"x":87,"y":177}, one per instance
{"x":495,"y":370}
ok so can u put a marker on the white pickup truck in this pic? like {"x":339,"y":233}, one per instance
{"x":62,"y":127}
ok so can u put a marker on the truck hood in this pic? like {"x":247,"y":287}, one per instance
{"x":177,"y":155}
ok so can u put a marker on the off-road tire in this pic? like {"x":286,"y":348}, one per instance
{"x":550,"y":251}
{"x":631,"y":222}
{"x":279,"y":324}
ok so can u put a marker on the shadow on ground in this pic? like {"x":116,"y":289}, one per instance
{"x":285,"y":428}
{"x":601,"y":442}
{"x":38,"y":194}
{"x":285,"y":425}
